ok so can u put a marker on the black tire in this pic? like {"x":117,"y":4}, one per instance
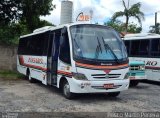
{"x":31,"y":80}
{"x":133,"y":83}
{"x":113,"y":94}
{"x":66,"y":90}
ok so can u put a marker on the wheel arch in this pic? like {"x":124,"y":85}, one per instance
{"x":27,"y":71}
{"x":61,"y":81}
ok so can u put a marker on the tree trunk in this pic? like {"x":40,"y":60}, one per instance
{"x":126,"y":26}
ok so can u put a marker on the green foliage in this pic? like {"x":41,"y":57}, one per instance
{"x":133,"y":11}
{"x":153,"y":29}
{"x":19,"y":17}
{"x":120,"y":27}
{"x":133,"y":28}
{"x":33,"y":9}
{"x":45,"y":23}
{"x":117,"y":25}
{"x":9,"y":34}
{"x":10,"y":75}
{"x":9,"y":11}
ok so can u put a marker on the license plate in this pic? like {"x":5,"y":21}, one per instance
{"x":131,"y":78}
{"x":108,"y":85}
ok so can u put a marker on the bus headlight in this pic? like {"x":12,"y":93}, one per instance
{"x":126,"y":76}
{"x":79,"y":76}
{"x":141,"y":67}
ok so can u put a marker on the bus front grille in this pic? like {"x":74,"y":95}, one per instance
{"x":105,"y":76}
{"x":134,"y":68}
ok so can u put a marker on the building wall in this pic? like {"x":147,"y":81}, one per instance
{"x":8,"y":57}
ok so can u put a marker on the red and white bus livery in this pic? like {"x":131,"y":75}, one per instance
{"x":145,"y":47}
{"x":78,"y":58}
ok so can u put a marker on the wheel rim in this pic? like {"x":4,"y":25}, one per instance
{"x":66,"y":89}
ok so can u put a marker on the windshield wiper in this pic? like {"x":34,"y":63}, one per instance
{"x":98,"y":49}
{"x":108,"y":47}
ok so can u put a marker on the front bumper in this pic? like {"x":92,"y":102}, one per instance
{"x":137,"y":77}
{"x":78,"y":86}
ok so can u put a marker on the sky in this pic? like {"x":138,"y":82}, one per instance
{"x":104,"y":9}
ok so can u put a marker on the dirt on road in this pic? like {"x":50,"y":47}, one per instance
{"x":23,"y":96}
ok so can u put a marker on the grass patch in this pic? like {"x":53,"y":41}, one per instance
{"x":10,"y":75}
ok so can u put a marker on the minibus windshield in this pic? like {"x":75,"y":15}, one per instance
{"x":95,"y":42}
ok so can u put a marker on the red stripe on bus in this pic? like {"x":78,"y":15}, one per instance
{"x":21,"y":59}
{"x":64,"y":72}
{"x":101,"y":67}
{"x":152,"y":67}
{"x":36,"y":67}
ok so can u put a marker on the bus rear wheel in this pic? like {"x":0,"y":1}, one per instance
{"x":113,"y":94}
{"x":66,"y":90}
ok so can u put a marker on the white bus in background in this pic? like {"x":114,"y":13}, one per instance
{"x":78,"y":58}
{"x":145,"y":47}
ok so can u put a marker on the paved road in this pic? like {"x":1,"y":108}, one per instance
{"x":22,"y":96}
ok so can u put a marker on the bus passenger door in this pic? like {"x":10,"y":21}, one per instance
{"x":52,"y":61}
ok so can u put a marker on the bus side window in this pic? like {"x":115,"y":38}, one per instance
{"x":22,"y":46}
{"x":127,"y":44}
{"x":135,"y":47}
{"x":65,"y":50}
{"x":144,"y":47}
{"x":155,"y":47}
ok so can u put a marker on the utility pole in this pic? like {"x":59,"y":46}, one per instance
{"x":155,"y":22}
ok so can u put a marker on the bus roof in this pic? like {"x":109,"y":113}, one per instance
{"x":44,"y":29}
{"x":141,"y":36}
{"x":50,"y":28}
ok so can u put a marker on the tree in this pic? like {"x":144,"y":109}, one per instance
{"x":153,"y":28}
{"x":19,"y":17}
{"x":43,"y":23}
{"x":33,"y":9}
{"x":9,"y":11}
{"x":133,"y":11}
{"x":117,"y":25}
{"x":133,"y":28}
{"x":27,"y":11}
{"x":120,"y":27}
{"x":9,"y":34}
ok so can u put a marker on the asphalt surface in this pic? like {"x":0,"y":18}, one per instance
{"x":23,"y":96}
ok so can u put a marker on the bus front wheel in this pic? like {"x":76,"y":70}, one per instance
{"x":66,"y":90}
